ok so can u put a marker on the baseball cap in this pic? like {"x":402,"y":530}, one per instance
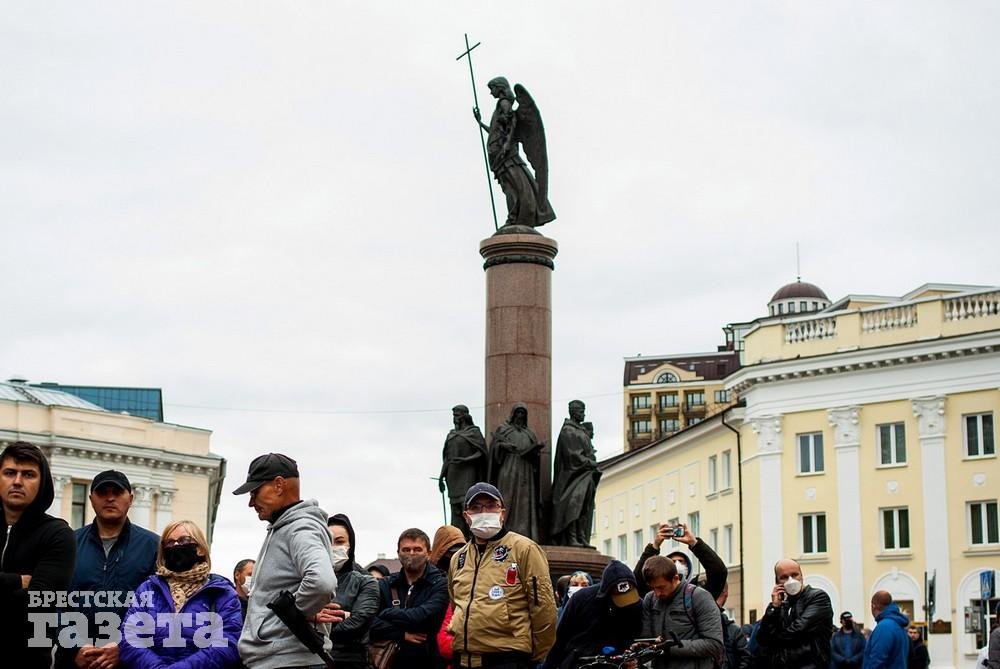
{"x":482,"y":489}
{"x":112,"y":477}
{"x":266,"y":468}
{"x":624,"y":592}
{"x":846,"y":615}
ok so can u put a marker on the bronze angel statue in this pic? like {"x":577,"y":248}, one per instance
{"x":527,"y":195}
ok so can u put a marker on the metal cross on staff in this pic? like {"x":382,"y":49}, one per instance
{"x":475,"y":98}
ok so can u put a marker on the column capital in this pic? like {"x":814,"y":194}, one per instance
{"x":143,"y":494}
{"x":768,"y":431}
{"x":844,"y":421}
{"x":929,"y":412}
{"x":164,"y":498}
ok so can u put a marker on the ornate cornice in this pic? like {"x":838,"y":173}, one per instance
{"x":844,"y":421}
{"x":929,"y":412}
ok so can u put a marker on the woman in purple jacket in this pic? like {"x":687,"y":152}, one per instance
{"x":183,"y":616}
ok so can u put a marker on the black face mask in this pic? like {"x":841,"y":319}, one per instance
{"x":182,"y":557}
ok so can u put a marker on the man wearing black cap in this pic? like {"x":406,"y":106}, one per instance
{"x":112,"y":556}
{"x":847,"y":648}
{"x":607,"y":614}
{"x":295,"y":557}
{"x":504,"y":611}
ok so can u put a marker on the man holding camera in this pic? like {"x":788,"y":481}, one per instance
{"x":795,"y":630}
{"x":715,"y":569}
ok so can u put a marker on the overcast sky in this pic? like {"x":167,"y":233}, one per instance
{"x":272,"y":210}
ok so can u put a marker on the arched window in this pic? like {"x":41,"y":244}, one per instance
{"x":666,"y":377}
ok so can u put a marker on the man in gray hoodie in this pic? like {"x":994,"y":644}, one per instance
{"x":295,"y":557}
{"x":687,"y":610}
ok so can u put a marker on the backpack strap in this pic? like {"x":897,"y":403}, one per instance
{"x":395,"y":601}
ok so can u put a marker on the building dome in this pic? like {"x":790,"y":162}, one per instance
{"x":797,"y":297}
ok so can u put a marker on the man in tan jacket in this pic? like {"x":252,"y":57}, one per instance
{"x":505,"y":612}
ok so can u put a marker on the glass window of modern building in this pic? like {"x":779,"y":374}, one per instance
{"x":144,"y":402}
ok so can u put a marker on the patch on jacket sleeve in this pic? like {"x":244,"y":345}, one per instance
{"x":500,"y":553}
{"x":461,"y":559}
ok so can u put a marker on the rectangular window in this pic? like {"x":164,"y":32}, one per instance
{"x":640,"y":427}
{"x":694,"y":421}
{"x":803,"y":306}
{"x":727,"y":470}
{"x":713,"y":539}
{"x":721,"y":396}
{"x":637,"y":543}
{"x":713,"y":480}
{"x":668,"y":425}
{"x":892,"y":443}
{"x":668,"y":400}
{"x":983,"y":523}
{"x":810,"y":453}
{"x":727,"y":544}
{"x":640,"y":401}
{"x":695,"y":398}
{"x":607,"y":546}
{"x":979,"y":435}
{"x":623,"y":548}
{"x":781,"y":308}
{"x":813,"y":532}
{"x":653,"y":529}
{"x":694,"y":523}
{"x":78,"y":506}
{"x":895,"y":529}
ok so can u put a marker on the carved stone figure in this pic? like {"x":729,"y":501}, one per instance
{"x":527,"y":195}
{"x":514,"y":466}
{"x":464,"y":463}
{"x":574,"y":482}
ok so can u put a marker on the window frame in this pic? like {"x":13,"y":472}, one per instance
{"x":894,"y":429}
{"x":713,"y":474}
{"x":812,"y":436}
{"x":980,"y":435}
{"x":623,"y":547}
{"x":894,"y":513}
{"x":637,"y":421}
{"x":984,"y":528}
{"x":727,"y":469}
{"x":814,"y":528}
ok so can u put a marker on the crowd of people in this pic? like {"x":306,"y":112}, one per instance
{"x":112,"y":594}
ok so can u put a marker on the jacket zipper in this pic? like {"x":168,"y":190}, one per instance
{"x":10,"y":528}
{"x":472,"y":595}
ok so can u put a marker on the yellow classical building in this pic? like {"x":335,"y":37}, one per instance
{"x":866,"y":449}
{"x":173,"y":474}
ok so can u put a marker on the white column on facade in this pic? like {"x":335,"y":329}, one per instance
{"x":768,"y":431}
{"x":164,"y":512}
{"x":59,"y":483}
{"x":929,"y":412}
{"x":141,"y":506}
{"x":847,"y":447}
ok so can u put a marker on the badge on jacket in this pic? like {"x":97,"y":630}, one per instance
{"x":500,"y":553}
{"x":496,"y":592}
{"x":461,"y":559}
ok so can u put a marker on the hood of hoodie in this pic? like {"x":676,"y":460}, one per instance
{"x":614,"y":572}
{"x":307,"y":509}
{"x":445,"y":537}
{"x":687,"y":560}
{"x":46,"y":493}
{"x":893,"y":613}
{"x":345,"y":522}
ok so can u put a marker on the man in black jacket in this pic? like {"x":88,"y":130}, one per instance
{"x":412,"y":603}
{"x":716,"y":572}
{"x":113,"y":557}
{"x":796,"y":627}
{"x":607,"y":614}
{"x":36,"y":552}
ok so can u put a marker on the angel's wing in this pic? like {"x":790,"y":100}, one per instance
{"x":531,"y":134}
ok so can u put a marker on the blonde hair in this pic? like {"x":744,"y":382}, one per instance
{"x":195,"y":533}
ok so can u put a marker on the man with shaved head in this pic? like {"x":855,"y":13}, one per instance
{"x":888,"y":646}
{"x":796,"y":628}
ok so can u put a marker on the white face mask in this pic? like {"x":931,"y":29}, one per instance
{"x":572,"y":590}
{"x":339,"y":556}
{"x":793,"y":587}
{"x":682,"y":569}
{"x":485,"y":525}
{"x":246,"y":583}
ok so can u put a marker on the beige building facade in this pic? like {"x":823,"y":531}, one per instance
{"x":867,"y":451}
{"x":174,"y":476}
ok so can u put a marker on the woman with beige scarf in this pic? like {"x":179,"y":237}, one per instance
{"x":183,"y":615}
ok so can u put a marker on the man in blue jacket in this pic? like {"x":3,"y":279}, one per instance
{"x":888,"y":645}
{"x":847,"y":647}
{"x":113,"y":557}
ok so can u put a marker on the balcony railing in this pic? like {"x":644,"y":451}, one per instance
{"x":965,"y":307}
{"x":823,"y":327}
{"x":889,"y":318}
{"x":637,"y":410}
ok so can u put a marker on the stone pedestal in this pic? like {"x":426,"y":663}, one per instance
{"x":519,"y":334}
{"x":564,"y":560}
